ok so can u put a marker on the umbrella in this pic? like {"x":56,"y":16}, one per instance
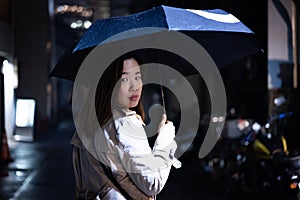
{"x":219,"y":33}
{"x":222,"y":35}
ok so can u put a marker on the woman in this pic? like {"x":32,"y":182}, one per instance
{"x":124,"y":165}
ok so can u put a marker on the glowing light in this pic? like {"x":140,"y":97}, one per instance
{"x":10,"y":84}
{"x":80,"y":24}
{"x":256,"y":126}
{"x":293,"y":185}
{"x":80,"y":10}
{"x":25,"y":109}
{"x":87,"y":24}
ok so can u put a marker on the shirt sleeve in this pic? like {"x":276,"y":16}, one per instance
{"x":148,"y":168}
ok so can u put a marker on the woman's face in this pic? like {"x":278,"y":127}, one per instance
{"x":130,"y":85}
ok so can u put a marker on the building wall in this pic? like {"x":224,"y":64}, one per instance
{"x":6,"y":33}
{"x":280,"y":68}
{"x":278,"y":42}
{"x":6,"y":37}
{"x":32,"y":48}
{"x":7,"y":67}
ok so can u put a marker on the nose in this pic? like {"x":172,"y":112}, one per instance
{"x":135,"y":85}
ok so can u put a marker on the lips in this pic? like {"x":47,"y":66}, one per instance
{"x":134,"y":98}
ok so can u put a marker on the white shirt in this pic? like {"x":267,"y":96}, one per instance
{"x":122,"y":144}
{"x":148,"y":168}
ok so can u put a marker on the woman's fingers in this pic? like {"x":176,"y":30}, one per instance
{"x":163,"y":118}
{"x":162,"y":122}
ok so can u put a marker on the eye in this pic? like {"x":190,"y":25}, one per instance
{"x":124,"y":79}
{"x":138,"y":78}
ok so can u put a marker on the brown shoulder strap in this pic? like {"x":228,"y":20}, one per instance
{"x":127,"y":187}
{"x":115,"y":182}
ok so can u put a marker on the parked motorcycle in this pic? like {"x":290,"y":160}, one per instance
{"x":254,"y":162}
{"x":267,"y":168}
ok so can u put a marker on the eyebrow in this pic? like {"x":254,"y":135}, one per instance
{"x":128,"y":73}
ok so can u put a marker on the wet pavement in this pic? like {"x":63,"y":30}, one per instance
{"x":42,"y":169}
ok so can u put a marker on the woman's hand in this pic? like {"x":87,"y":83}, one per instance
{"x":166,"y":128}
{"x":165,"y":141}
{"x":162,"y":122}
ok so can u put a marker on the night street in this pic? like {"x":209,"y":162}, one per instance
{"x":214,"y":84}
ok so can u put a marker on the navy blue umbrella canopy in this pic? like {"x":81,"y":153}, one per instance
{"x":221,"y":34}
